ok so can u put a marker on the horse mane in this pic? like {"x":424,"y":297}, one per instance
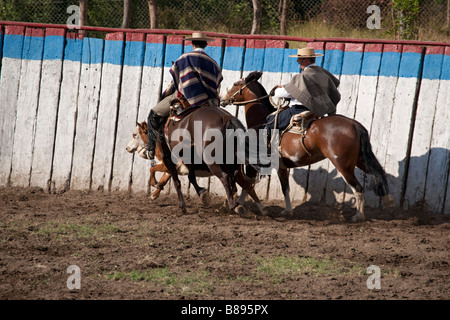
{"x":254,"y":76}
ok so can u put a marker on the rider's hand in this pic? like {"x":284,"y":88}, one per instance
{"x":272,"y":92}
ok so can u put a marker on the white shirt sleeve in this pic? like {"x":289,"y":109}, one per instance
{"x":282,"y":93}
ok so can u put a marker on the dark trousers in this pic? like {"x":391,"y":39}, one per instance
{"x":284,"y":117}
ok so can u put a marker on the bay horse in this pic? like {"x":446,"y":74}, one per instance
{"x":204,"y":121}
{"x":344,"y":141}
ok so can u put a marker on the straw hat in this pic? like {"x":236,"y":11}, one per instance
{"x":306,"y":53}
{"x":199,"y":36}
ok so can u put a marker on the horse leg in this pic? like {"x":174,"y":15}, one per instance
{"x":201,"y":192}
{"x":226,"y":181}
{"x":176,"y":181}
{"x":247,"y":188}
{"x":283,"y":175}
{"x":358,"y":191}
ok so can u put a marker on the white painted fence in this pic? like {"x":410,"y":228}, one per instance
{"x":68,"y":104}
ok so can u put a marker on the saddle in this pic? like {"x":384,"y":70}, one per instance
{"x":300,"y":122}
{"x":180,"y":108}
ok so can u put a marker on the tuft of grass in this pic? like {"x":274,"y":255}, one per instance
{"x":188,"y":283}
{"x":288,"y":266}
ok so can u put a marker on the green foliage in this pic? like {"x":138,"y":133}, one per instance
{"x":406,"y":13}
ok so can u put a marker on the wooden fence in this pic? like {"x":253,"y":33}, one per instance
{"x":68,"y":104}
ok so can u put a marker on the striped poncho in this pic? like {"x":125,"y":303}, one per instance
{"x":197,"y":76}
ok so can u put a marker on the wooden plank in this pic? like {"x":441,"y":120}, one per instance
{"x":233,"y":61}
{"x":65,"y":128}
{"x":423,"y":127}
{"x":437,"y":185}
{"x":128,"y":108}
{"x":150,"y":93}
{"x":384,"y":102}
{"x":107,"y":111}
{"x":47,"y":108}
{"x":87,"y":110}
{"x":9,"y":88}
{"x":27,"y":103}
{"x":402,"y":112}
{"x":173,"y":50}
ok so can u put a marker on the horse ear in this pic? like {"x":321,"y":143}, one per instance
{"x":253,"y":76}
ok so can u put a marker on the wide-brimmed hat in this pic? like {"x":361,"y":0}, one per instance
{"x":306,"y":53}
{"x":199,"y":36}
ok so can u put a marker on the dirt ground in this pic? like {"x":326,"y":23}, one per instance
{"x":128,"y":247}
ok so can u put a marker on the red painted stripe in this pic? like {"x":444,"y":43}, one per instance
{"x":33,"y":32}
{"x":135,"y":36}
{"x":414,"y":49}
{"x":55,"y":32}
{"x":435,"y":50}
{"x":116,"y":36}
{"x":216,"y":43}
{"x":373,"y":47}
{"x":155,"y":38}
{"x":235,"y":42}
{"x":392,"y":48}
{"x":74,"y":35}
{"x":335,"y":46}
{"x":255,"y":44}
{"x":316,"y":45}
{"x":355,"y":47}
{"x":174,"y":40}
{"x":447,"y":51}
{"x":230,"y":36}
{"x":276,"y":44}
{"x":17,"y":30}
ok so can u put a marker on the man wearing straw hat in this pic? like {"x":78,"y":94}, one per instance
{"x":314,"y":89}
{"x":196,"y":79}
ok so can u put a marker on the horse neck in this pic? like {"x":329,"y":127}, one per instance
{"x":262,"y":107}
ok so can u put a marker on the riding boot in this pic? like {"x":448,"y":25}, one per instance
{"x":154,"y":124}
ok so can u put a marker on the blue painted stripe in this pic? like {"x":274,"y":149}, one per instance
{"x":290,"y":64}
{"x":13,"y":45}
{"x":53,"y":48}
{"x":134,"y":53}
{"x":390,"y":62}
{"x":154,"y":55}
{"x":33,"y":48}
{"x":233,"y":59}
{"x":73,"y":49}
{"x":254,"y":59}
{"x":432,"y":66}
{"x":371,"y":64}
{"x":333,"y":61}
{"x":215,"y":53}
{"x":113,"y":52}
{"x":410,"y":65}
{"x":445,"y":75}
{"x":273,"y":59}
{"x":92,"y":51}
{"x":173,"y":52}
{"x":352,"y":62}
{"x":1,"y":43}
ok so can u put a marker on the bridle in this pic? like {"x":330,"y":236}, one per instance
{"x":231,"y":100}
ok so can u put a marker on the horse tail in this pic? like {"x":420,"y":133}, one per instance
{"x":243,"y":143}
{"x":372,"y":165}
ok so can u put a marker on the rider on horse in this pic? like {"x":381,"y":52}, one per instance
{"x":314,"y":89}
{"x":196,"y":80}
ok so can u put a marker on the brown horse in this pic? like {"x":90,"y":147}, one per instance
{"x":344,"y":141}
{"x":196,"y":130}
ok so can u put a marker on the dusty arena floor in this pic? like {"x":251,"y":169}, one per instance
{"x":128,"y":247}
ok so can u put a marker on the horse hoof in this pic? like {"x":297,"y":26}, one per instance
{"x":358,"y":218}
{"x":205,"y":198}
{"x":287,"y":213}
{"x":240,"y":210}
